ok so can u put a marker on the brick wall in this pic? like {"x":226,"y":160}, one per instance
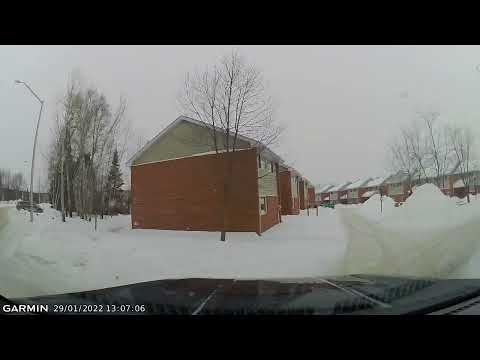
{"x":286,"y":193}
{"x":296,"y":206}
{"x":311,"y":196}
{"x":187,"y":194}
{"x":302,"y":195}
{"x":272,"y":216}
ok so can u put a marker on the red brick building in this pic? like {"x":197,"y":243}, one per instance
{"x":311,"y":196}
{"x":289,"y":190}
{"x":306,"y":194}
{"x":397,"y":188}
{"x":323,"y":195}
{"x":178,"y":183}
{"x":338,"y":194}
{"x":374,"y":186}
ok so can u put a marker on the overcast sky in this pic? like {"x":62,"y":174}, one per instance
{"x":341,"y":105}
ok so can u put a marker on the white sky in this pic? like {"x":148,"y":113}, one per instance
{"x":340,"y":104}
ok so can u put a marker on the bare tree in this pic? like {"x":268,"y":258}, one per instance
{"x":86,"y":131}
{"x":402,"y":157}
{"x":230,"y":99}
{"x":438,"y":151}
{"x":461,"y":141}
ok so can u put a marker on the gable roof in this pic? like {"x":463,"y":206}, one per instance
{"x":357,"y":184}
{"x":253,"y":143}
{"x":376,"y":181}
{"x":339,"y":187}
{"x":325,"y":188}
{"x":398,"y":177}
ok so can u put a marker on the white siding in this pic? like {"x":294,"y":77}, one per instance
{"x":294,"y":184}
{"x":267,"y":180}
{"x":352,"y":194}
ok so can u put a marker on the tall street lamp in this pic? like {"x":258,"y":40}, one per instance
{"x":34,"y":144}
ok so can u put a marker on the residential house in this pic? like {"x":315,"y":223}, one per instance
{"x":289,"y":190}
{"x":457,"y":185}
{"x":374,"y":186}
{"x":338,"y":194}
{"x":311,"y":195}
{"x":323,"y":195}
{"x":179,"y":182}
{"x":307,"y":194}
{"x":353,"y":190}
{"x":397,"y":187}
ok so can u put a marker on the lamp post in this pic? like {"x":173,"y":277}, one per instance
{"x":34,"y":144}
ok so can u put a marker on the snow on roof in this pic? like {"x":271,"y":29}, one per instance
{"x":369,"y":193}
{"x":291,"y":169}
{"x":458,"y":184}
{"x":398,"y":177}
{"x":325,"y":188}
{"x":254,"y":143}
{"x":357,"y":184}
{"x":190,"y":156}
{"x":376,"y":181}
{"x":339,"y":187}
{"x":343,"y":197}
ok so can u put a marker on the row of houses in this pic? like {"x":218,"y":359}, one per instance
{"x":398,"y":186}
{"x":178,"y":182}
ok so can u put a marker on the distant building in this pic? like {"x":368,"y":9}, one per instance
{"x":374,"y":186}
{"x":338,"y":194}
{"x":289,"y":190}
{"x":323,"y":195}
{"x":354,"y":190}
{"x":307,"y":194}
{"x":397,"y":188}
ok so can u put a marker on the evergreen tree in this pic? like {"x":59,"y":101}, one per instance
{"x":114,"y":181}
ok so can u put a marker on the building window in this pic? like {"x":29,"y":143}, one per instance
{"x":272,"y":167}
{"x":263,"y":205}
{"x":265,"y":165}
{"x":259,"y":162}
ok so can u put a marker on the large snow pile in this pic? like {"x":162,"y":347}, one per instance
{"x":428,"y":236}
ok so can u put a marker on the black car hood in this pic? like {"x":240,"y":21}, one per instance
{"x":356,"y":294}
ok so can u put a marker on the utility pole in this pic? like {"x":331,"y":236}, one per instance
{"x":34,"y":144}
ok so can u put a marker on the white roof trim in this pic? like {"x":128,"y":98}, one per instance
{"x":179,"y":119}
{"x":189,"y":156}
{"x":369,"y":193}
{"x":458,"y":184}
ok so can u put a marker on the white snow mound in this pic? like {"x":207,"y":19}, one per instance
{"x":428,"y":236}
{"x":376,"y":207}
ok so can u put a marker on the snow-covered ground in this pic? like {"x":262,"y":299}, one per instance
{"x":53,"y":257}
{"x":430,"y":235}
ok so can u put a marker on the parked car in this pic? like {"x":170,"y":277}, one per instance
{"x":328,"y":205}
{"x":25,"y":205}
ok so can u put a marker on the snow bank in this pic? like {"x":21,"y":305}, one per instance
{"x":54,"y":257}
{"x":3,"y":215}
{"x":428,"y":236}
{"x":376,"y":208}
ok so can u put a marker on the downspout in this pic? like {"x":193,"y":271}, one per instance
{"x":131,"y":195}
{"x":279,"y":194}
{"x":257,"y":195}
